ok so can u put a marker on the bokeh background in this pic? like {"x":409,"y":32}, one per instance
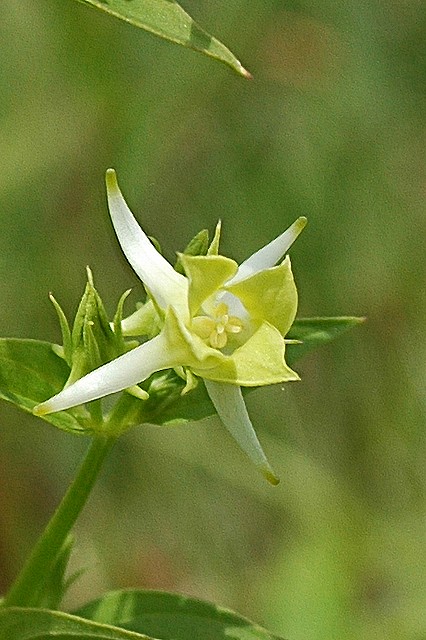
{"x":331,"y":127}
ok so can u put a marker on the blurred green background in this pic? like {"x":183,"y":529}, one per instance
{"x":331,"y":127}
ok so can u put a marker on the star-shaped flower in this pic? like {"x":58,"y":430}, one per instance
{"x":220,"y":322}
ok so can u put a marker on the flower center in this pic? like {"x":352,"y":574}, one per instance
{"x":216,"y":327}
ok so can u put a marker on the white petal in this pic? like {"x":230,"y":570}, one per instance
{"x":167,"y":286}
{"x":270,"y":254}
{"x":230,"y":406}
{"x":123,"y":372}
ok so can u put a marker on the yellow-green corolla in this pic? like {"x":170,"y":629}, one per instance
{"x":221,"y":322}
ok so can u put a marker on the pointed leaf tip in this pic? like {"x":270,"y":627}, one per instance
{"x":168,"y":20}
{"x":245,"y":73}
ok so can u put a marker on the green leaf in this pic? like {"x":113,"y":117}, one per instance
{"x":30,"y":372}
{"x":170,"y":616}
{"x":198,"y":246}
{"x":167,"y":19}
{"x":314,"y":332}
{"x":41,"y":624}
{"x":92,"y":338}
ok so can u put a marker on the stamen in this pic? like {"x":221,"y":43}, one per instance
{"x":215,"y":328}
{"x":203,"y":326}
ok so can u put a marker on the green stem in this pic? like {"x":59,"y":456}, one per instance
{"x":29,"y":583}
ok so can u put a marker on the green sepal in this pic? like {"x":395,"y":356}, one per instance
{"x":117,"y":324}
{"x":213,"y":249}
{"x":93,"y":340}
{"x":65,"y":330}
{"x":145,"y":321}
{"x":171,"y":616}
{"x":156,"y":244}
{"x":198,"y":246}
{"x":191,"y":381}
{"x":137,"y":392}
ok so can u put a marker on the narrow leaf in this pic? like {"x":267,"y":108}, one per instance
{"x":117,"y":322}
{"x":171,"y":616}
{"x":65,"y":330}
{"x":314,"y":332}
{"x":167,"y":19}
{"x":198,"y":246}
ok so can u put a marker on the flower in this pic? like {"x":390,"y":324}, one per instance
{"x":220,"y":322}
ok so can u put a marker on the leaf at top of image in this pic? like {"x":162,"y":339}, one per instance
{"x":168,"y":20}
